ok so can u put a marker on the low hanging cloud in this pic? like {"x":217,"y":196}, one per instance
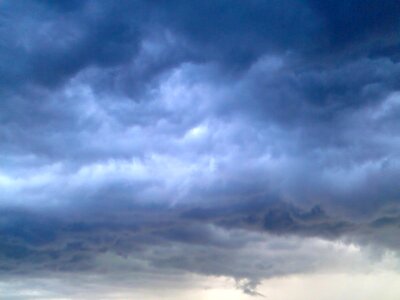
{"x":183,"y":136}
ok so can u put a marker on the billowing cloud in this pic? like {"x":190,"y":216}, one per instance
{"x":244,"y":140}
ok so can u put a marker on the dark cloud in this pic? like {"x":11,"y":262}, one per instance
{"x":50,"y":46}
{"x":61,"y":39}
{"x":37,"y":242}
{"x":358,"y":22}
{"x":183,"y":135}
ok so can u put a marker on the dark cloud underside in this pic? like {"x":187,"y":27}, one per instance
{"x":180,"y":132}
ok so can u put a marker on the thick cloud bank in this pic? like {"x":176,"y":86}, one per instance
{"x":245,"y":139}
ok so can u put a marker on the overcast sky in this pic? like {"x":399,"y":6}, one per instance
{"x":200,"y":150}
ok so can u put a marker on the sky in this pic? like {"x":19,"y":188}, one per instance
{"x":200,"y":149}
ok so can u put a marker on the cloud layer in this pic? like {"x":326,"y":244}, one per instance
{"x":186,"y":136}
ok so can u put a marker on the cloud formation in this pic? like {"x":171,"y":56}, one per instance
{"x":185,"y":135}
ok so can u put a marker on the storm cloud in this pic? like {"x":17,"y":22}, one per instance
{"x":218,"y":138}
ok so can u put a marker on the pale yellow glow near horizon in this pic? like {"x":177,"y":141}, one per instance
{"x":353,"y":275}
{"x":342,"y":286}
{"x":382,"y":285}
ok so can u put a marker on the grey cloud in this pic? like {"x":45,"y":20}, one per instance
{"x":180,"y":134}
{"x":51,"y":48}
{"x":76,"y":36}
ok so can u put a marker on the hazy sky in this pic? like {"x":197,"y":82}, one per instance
{"x":200,"y":150}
